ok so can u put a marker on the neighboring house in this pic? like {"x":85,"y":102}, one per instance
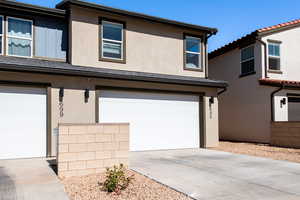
{"x":87,"y":63}
{"x":263,"y":72}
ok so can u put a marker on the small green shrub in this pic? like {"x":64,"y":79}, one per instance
{"x":116,"y":179}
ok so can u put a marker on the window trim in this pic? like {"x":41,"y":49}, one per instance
{"x":273,"y":42}
{"x":201,"y":60}
{"x":16,"y":37}
{"x":2,"y":35}
{"x":101,"y":39}
{"x":246,"y":60}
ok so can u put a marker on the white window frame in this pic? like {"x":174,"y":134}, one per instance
{"x":191,"y":52}
{"x":2,"y":36}
{"x":16,"y":37}
{"x":246,"y":60}
{"x":277,"y":57}
{"x":115,"y":41}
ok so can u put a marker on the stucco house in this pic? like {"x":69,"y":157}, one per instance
{"x":262,"y":69}
{"x":87,"y":63}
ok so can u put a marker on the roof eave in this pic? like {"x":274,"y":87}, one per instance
{"x":112,"y":74}
{"x":65,"y":3}
{"x":243,"y":41}
{"x":33,"y":8}
{"x":278,"y":84}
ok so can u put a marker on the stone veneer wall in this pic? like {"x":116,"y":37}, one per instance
{"x":89,"y":148}
{"x":285,"y":134}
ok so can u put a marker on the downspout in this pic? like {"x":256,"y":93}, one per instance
{"x":265,"y":56}
{"x":206,"y":53}
{"x":222,"y":91}
{"x":272,"y":101}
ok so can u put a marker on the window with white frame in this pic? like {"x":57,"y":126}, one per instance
{"x":193,"y":52}
{"x":247,"y":60}
{"x":112,"y":43}
{"x":19,"y":37}
{"x":274,"y":55}
{"x":1,"y":34}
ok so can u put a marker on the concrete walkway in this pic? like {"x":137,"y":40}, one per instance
{"x":207,"y":174}
{"x":29,"y":179}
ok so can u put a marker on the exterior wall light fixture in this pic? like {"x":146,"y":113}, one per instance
{"x":283,"y":101}
{"x":211,"y":100}
{"x":61,"y":94}
{"x":86,"y":95}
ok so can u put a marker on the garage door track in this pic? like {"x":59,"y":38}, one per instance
{"x":207,"y":174}
{"x":29,"y":179}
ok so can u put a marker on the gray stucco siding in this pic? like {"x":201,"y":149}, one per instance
{"x":50,"y":38}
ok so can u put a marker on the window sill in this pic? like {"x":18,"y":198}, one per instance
{"x":275,"y":71}
{"x":247,"y":74}
{"x":112,"y":60}
{"x":193,"y":69}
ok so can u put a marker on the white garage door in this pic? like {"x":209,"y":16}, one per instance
{"x":157,"y":120}
{"x":23,"y":122}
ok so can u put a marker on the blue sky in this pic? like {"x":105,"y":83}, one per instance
{"x":233,"y":18}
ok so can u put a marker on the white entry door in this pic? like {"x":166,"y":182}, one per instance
{"x":23,"y":122}
{"x":157,"y":120}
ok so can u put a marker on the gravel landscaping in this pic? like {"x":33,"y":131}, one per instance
{"x":142,"y":188}
{"x":262,"y":150}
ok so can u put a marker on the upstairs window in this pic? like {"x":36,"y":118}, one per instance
{"x":193,"y":53}
{"x":274,"y":56}
{"x":247,"y":60}
{"x":112,"y":41}
{"x":19,"y":37}
{"x":1,"y":35}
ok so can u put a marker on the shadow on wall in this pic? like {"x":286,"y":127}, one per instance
{"x":7,"y":186}
{"x":54,"y":30}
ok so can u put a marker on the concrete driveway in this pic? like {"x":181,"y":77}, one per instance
{"x":207,"y":174}
{"x":29,"y":179}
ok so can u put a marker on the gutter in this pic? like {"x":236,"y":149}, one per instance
{"x":222,"y":91}
{"x":272,"y":101}
{"x":32,"y":8}
{"x":72,"y":70}
{"x":82,"y":3}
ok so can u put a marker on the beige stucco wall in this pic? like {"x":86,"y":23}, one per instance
{"x":72,"y":109}
{"x":244,"y":109}
{"x":150,"y":47}
{"x":290,"y":61}
{"x":76,"y":110}
{"x":211,"y":122}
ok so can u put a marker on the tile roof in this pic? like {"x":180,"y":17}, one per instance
{"x":278,"y":82}
{"x":269,"y":28}
{"x":251,"y":37}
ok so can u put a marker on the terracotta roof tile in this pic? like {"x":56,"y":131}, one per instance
{"x":278,"y":82}
{"x":249,"y":38}
{"x":297,"y":21}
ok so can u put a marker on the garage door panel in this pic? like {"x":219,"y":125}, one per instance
{"x":157,"y":120}
{"x":23,"y":122}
